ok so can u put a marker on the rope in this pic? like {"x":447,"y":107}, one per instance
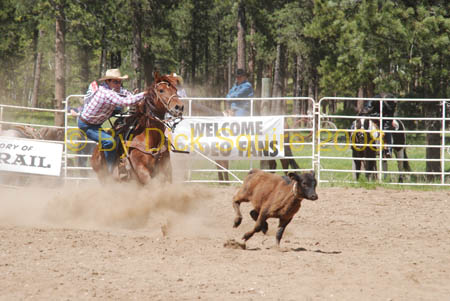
{"x":217,"y":164}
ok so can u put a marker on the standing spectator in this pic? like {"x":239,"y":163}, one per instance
{"x":241,"y":89}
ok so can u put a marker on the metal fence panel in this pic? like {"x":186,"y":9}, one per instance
{"x":201,"y":169}
{"x":334,"y":146}
{"x":24,"y":117}
{"x":319,"y":140}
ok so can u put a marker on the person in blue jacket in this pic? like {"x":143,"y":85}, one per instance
{"x":241,"y":89}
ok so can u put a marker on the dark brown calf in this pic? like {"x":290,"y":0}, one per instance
{"x":273,"y":196}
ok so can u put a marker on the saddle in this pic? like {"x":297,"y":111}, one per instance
{"x":124,"y":127}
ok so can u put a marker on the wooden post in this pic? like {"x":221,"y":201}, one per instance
{"x":265,"y":92}
{"x":265,"y":110}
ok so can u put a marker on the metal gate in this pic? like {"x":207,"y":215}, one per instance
{"x":78,"y":148}
{"x":200,"y":169}
{"x":319,"y":140}
{"x":196,"y":167}
{"x":11,"y":115}
{"x":334,"y":156}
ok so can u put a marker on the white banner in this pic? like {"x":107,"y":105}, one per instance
{"x":249,"y":138}
{"x":30,"y":156}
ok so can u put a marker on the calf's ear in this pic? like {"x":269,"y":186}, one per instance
{"x":293,"y":176}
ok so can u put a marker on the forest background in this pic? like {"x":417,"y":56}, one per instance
{"x":53,"y":48}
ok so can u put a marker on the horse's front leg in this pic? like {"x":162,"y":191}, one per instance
{"x":166,"y":168}
{"x":384,"y":164}
{"x":399,"y":154}
{"x":98,"y":164}
{"x":371,"y":166}
{"x":356,"y":165}
{"x":140,"y":164}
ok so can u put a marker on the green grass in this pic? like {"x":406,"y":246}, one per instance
{"x":341,"y":164}
{"x":33,"y":117}
{"x":37,"y":117}
{"x":335,"y":177}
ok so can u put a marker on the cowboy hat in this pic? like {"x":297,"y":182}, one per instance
{"x":178,"y":77}
{"x":241,"y":72}
{"x":113,"y":74}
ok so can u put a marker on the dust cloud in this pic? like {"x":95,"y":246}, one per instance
{"x":166,"y":208}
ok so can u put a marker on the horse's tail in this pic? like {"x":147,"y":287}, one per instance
{"x":406,"y":163}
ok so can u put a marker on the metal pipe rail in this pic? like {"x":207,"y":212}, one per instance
{"x":443,"y":131}
{"x":313,"y":151}
{"x":192,"y":100}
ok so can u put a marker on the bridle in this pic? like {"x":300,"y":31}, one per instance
{"x":169,"y":122}
{"x":165,"y":104}
{"x":149,"y":113}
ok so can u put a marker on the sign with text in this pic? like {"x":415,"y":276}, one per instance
{"x":30,"y":156}
{"x":257,"y":138}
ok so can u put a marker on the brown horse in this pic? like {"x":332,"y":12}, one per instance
{"x":146,"y":151}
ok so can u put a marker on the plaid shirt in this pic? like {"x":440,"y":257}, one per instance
{"x":103,"y":103}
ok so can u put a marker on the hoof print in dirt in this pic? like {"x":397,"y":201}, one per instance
{"x":232,"y":244}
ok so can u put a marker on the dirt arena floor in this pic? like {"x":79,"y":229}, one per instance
{"x":172,"y":242}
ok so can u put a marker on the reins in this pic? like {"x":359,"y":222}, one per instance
{"x":170,"y":122}
{"x":149,"y":113}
